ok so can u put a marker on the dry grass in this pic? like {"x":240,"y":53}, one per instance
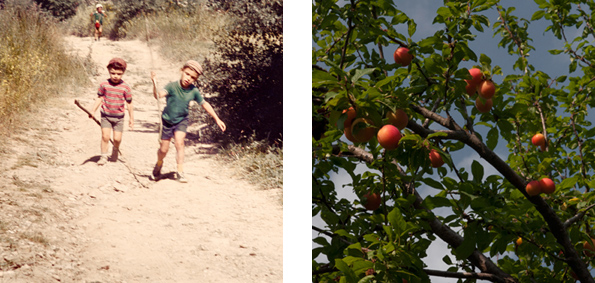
{"x":191,"y":30}
{"x":257,"y":162}
{"x":33,"y":61}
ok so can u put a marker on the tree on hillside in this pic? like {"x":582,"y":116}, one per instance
{"x":60,"y":9}
{"x":509,"y":226}
{"x":247,"y":72}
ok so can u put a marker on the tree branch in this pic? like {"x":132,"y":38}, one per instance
{"x":577,"y":217}
{"x":555,"y":224}
{"x":443,"y":231}
{"x":332,"y":235}
{"x":465,"y":275}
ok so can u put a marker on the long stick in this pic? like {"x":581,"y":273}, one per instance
{"x":153,"y":67}
{"x":120,"y":152}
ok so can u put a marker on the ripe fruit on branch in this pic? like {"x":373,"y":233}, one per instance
{"x":471,"y":90}
{"x":362,"y":129}
{"x":351,"y":113}
{"x":398,"y":118}
{"x":519,"y":241}
{"x":483,"y":105}
{"x":389,"y":137}
{"x":476,"y":77}
{"x":348,"y":135}
{"x":487,"y":89}
{"x":436,"y":159}
{"x":547,"y":186}
{"x":402,"y":56}
{"x":533,"y":188}
{"x":588,"y":248}
{"x":539,"y":140}
{"x":372,"y":201}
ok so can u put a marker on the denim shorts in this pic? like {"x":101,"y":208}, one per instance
{"x":112,"y":122}
{"x":167,"y":132}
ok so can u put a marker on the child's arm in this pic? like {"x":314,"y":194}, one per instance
{"x":211,"y":112}
{"x":131,"y":113}
{"x":156,"y":94}
{"x":96,"y":105}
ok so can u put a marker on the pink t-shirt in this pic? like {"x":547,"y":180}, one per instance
{"x":115,"y":96}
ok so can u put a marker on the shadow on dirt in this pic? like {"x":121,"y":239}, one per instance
{"x":169,"y":176}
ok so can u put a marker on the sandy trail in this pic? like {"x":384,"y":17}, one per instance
{"x":100,"y":225}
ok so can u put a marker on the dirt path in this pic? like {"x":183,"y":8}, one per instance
{"x":66,"y":219}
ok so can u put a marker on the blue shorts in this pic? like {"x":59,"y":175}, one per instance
{"x":167,"y":132}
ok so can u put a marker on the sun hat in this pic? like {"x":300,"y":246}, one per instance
{"x":194,"y":66}
{"x":98,"y":6}
{"x":119,"y":61}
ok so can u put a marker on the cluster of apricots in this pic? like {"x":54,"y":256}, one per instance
{"x":485,"y":88}
{"x":545,"y":185}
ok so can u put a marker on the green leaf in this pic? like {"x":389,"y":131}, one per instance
{"x":411,"y":27}
{"x":485,"y":61}
{"x":538,"y":15}
{"x":343,"y":267}
{"x":437,"y":134}
{"x":493,"y":137}
{"x":467,"y":247}
{"x":477,"y":171}
{"x":555,"y":51}
{"x":359,"y":73}
{"x":433,"y":183}
{"x":434,"y":202}
{"x":568,"y":183}
{"x":447,"y":260}
{"x":396,"y":220}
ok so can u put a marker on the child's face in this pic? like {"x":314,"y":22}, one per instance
{"x":189,"y":76}
{"x":115,"y":75}
{"x":99,"y":9}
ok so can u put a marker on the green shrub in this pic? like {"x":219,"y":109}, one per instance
{"x":60,"y":9}
{"x":247,"y":72}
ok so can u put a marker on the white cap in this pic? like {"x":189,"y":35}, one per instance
{"x":98,"y":5}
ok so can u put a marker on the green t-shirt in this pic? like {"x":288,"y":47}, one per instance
{"x":177,"y":100}
{"x":98,"y":17}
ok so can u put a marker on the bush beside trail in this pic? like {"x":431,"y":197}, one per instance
{"x":33,"y":61}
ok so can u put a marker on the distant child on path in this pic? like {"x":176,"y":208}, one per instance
{"x":111,"y":96}
{"x":175,"y":115}
{"x":98,"y":20}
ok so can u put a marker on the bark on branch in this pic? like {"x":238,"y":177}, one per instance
{"x":554,"y":222}
{"x":441,"y":230}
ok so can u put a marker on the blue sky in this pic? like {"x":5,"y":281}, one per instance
{"x":423,"y":11}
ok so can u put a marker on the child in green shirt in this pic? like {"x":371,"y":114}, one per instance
{"x":178,"y":95}
{"x":98,"y":21}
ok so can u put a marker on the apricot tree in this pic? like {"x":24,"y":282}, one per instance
{"x":488,"y":214}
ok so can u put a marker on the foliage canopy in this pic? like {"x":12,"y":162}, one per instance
{"x":487,"y":213}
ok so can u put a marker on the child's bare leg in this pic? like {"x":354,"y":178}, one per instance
{"x":117,"y":142}
{"x":163,"y":149}
{"x":117,"y":139}
{"x":105,"y":136}
{"x":161,"y":153}
{"x":179,"y":143}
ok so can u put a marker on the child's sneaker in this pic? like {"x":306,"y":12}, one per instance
{"x":115,"y":155}
{"x":157,"y":170}
{"x":182,"y":178}
{"x":102,"y":160}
